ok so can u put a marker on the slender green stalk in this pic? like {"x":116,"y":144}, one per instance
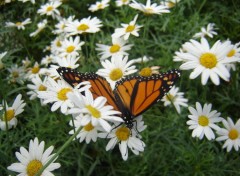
{"x":58,"y":152}
{"x":5,"y":114}
{"x":203,"y":3}
{"x":74,"y":127}
{"x":86,"y":47}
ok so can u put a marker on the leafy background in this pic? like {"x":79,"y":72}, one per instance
{"x":170,"y":149}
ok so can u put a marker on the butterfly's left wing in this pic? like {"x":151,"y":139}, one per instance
{"x":71,"y":76}
{"x":137,"y":94}
{"x":99,"y":85}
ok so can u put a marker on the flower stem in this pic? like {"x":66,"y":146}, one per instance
{"x":58,"y":152}
{"x":86,"y":47}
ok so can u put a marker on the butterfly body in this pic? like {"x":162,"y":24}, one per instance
{"x":132,"y":95}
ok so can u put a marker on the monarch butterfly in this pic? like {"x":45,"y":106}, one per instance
{"x":131,"y":96}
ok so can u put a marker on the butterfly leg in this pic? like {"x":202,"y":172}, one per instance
{"x":135,"y":128}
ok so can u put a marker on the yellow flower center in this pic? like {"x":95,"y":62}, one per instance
{"x":100,"y":6}
{"x":170,"y":97}
{"x":88,"y":127}
{"x":130,"y":28}
{"x":58,"y":43}
{"x":203,"y":120}
{"x":49,"y":8}
{"x":33,"y":167}
{"x":124,"y":1}
{"x":231,"y":53}
{"x":233,"y":134}
{"x":18,"y":23}
{"x":114,"y":48}
{"x":122,"y":133}
{"x":63,"y":26}
{"x":15,"y":74}
{"x":42,"y":88}
{"x":1,"y":65}
{"x":170,"y":4}
{"x":82,"y":27}
{"x":208,"y":60}
{"x":116,"y":74}
{"x":62,"y":94}
{"x":35,"y":69}
{"x":146,"y":72}
{"x":95,"y":113}
{"x":148,"y":11}
{"x":9,"y":115}
{"x":70,"y":49}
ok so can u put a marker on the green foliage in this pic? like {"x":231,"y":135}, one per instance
{"x":170,"y":149}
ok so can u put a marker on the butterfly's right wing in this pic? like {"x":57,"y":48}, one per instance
{"x":99,"y":85}
{"x":136,"y":94}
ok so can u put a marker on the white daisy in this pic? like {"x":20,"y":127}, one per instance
{"x":149,"y":71}
{"x":47,"y":48}
{"x":32,"y":1}
{"x":38,"y":85}
{"x":127,"y":30}
{"x":85,"y":25}
{"x":170,"y":3}
{"x":118,"y":48}
{"x":69,"y":62}
{"x":142,"y":59}
{"x":203,"y":121}
{"x":206,"y":32}
{"x":50,"y":8}
{"x":26,"y":62}
{"x":88,"y":132}
{"x":48,"y":59}
{"x":93,"y":111}
{"x":55,"y":0}
{"x":32,"y":160}
{"x":230,"y":134}
{"x":234,"y":53}
{"x":19,"y":25}
{"x":149,"y":8}
{"x":118,"y":68}
{"x":8,"y":1}
{"x":178,"y":56}
{"x":126,"y":138}
{"x":9,"y":116}
{"x":41,"y":25}
{"x":210,"y":62}
{"x":34,"y":71}
{"x":99,"y":5}
{"x":56,"y":94}
{"x":2,"y":55}
{"x":122,"y":2}
{"x":70,"y":47}
{"x":176,"y":98}
{"x":17,"y":74}
{"x":56,"y":44}
{"x":60,"y":26}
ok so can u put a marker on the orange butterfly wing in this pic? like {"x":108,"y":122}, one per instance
{"x":99,"y":85}
{"x":137,"y":94}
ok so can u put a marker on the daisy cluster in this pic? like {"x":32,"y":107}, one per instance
{"x":91,"y":117}
{"x":212,"y":62}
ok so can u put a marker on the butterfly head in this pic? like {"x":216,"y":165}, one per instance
{"x":129,"y":124}
{"x":128,"y":120}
